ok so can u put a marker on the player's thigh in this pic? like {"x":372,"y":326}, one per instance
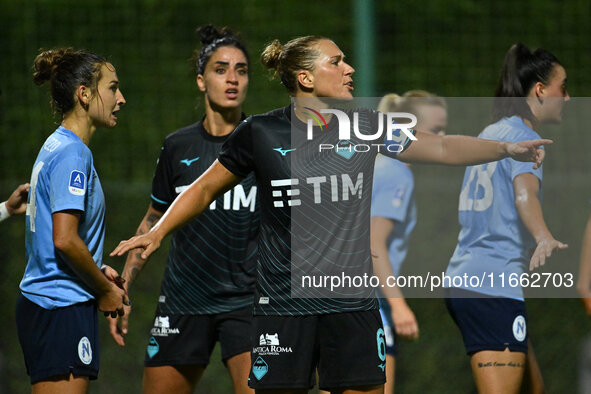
{"x":284,"y":353}
{"x":181,"y":340}
{"x":179,"y":379}
{"x":352,"y":351}
{"x":498,"y":371}
{"x":62,"y":385}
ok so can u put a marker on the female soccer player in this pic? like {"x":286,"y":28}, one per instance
{"x":207,"y":289}
{"x":394,"y":215}
{"x":16,"y":203}
{"x":292,"y":336}
{"x":501,"y":219}
{"x":65,"y":228}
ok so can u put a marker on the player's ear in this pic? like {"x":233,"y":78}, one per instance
{"x":201,"y":83}
{"x":305,"y":79}
{"x":83,"y":95}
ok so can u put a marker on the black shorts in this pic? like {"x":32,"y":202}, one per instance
{"x":389,"y":328}
{"x":58,"y":341}
{"x":488,"y":323}
{"x":190,"y":339}
{"x":348,"y":349}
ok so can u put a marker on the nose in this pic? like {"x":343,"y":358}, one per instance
{"x":349,"y":70}
{"x":566,"y":96}
{"x":231,"y":76}
{"x":120,"y":99}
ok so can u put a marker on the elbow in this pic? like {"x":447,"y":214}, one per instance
{"x":62,"y":242}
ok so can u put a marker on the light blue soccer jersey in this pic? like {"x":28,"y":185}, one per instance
{"x":63,"y":178}
{"x":393,"y":198}
{"x":493,"y":240}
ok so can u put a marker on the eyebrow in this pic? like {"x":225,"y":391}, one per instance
{"x":227,"y":64}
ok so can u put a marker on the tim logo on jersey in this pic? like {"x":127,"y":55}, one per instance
{"x":398,"y":131}
{"x":341,"y":187}
{"x":235,"y":199}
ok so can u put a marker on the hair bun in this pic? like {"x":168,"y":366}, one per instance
{"x":209,"y":33}
{"x":46,"y":63}
{"x":271,"y":55}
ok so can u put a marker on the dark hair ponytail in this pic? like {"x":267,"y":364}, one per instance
{"x":212,"y":39}
{"x":66,"y":69}
{"x":522,"y":69}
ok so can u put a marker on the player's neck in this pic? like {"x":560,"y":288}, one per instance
{"x":221,"y":122}
{"x":79,"y":123}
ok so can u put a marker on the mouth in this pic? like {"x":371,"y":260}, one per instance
{"x":349,"y":85}
{"x":231,"y":93}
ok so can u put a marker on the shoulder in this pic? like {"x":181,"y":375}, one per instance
{"x":184,"y":133}
{"x":511,"y":129}
{"x":388,"y":168}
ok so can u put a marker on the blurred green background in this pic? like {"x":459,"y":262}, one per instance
{"x":453,"y":48}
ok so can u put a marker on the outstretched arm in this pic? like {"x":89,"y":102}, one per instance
{"x":528,"y":205}
{"x":464,"y":150}
{"x":189,"y":204}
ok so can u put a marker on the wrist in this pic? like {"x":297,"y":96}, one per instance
{"x":504,"y":149}
{"x":4,"y":213}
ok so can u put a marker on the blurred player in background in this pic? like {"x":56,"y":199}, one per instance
{"x":16,"y":203}
{"x":342,"y":337}
{"x":394,"y":215}
{"x":208,"y":285}
{"x":65,"y":228}
{"x":502,"y":222}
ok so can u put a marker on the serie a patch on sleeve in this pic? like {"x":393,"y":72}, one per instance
{"x":77,"y":184}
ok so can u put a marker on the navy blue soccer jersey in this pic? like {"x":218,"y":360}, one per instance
{"x":212,"y":260}
{"x":315,"y":211}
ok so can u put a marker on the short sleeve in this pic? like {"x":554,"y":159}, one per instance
{"x":400,"y":141}
{"x":519,"y":167}
{"x":393,"y":193}
{"x":162,"y":195}
{"x":237,"y":152}
{"x":68,"y":179}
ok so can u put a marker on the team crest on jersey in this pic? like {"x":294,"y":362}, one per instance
{"x":345,"y":149}
{"x":260,"y":368}
{"x":85,"y":351}
{"x":519,"y":328}
{"x":77,"y":184}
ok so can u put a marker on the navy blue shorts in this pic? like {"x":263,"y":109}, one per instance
{"x":488,"y":323}
{"x":190,"y":339}
{"x":347,"y":349}
{"x":58,"y":341}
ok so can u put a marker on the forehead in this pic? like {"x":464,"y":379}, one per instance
{"x":228,"y":54}
{"x":108,"y":73}
{"x":328,"y":48}
{"x":558,"y":73}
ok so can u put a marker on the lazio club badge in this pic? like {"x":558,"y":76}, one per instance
{"x":260,"y":368}
{"x":77,"y":184}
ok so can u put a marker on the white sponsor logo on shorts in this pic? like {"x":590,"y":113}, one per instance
{"x":519,"y":328}
{"x":162,"y":299}
{"x":270,"y":346}
{"x":264,"y":300}
{"x":162,"y":327}
{"x":85,"y":350}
